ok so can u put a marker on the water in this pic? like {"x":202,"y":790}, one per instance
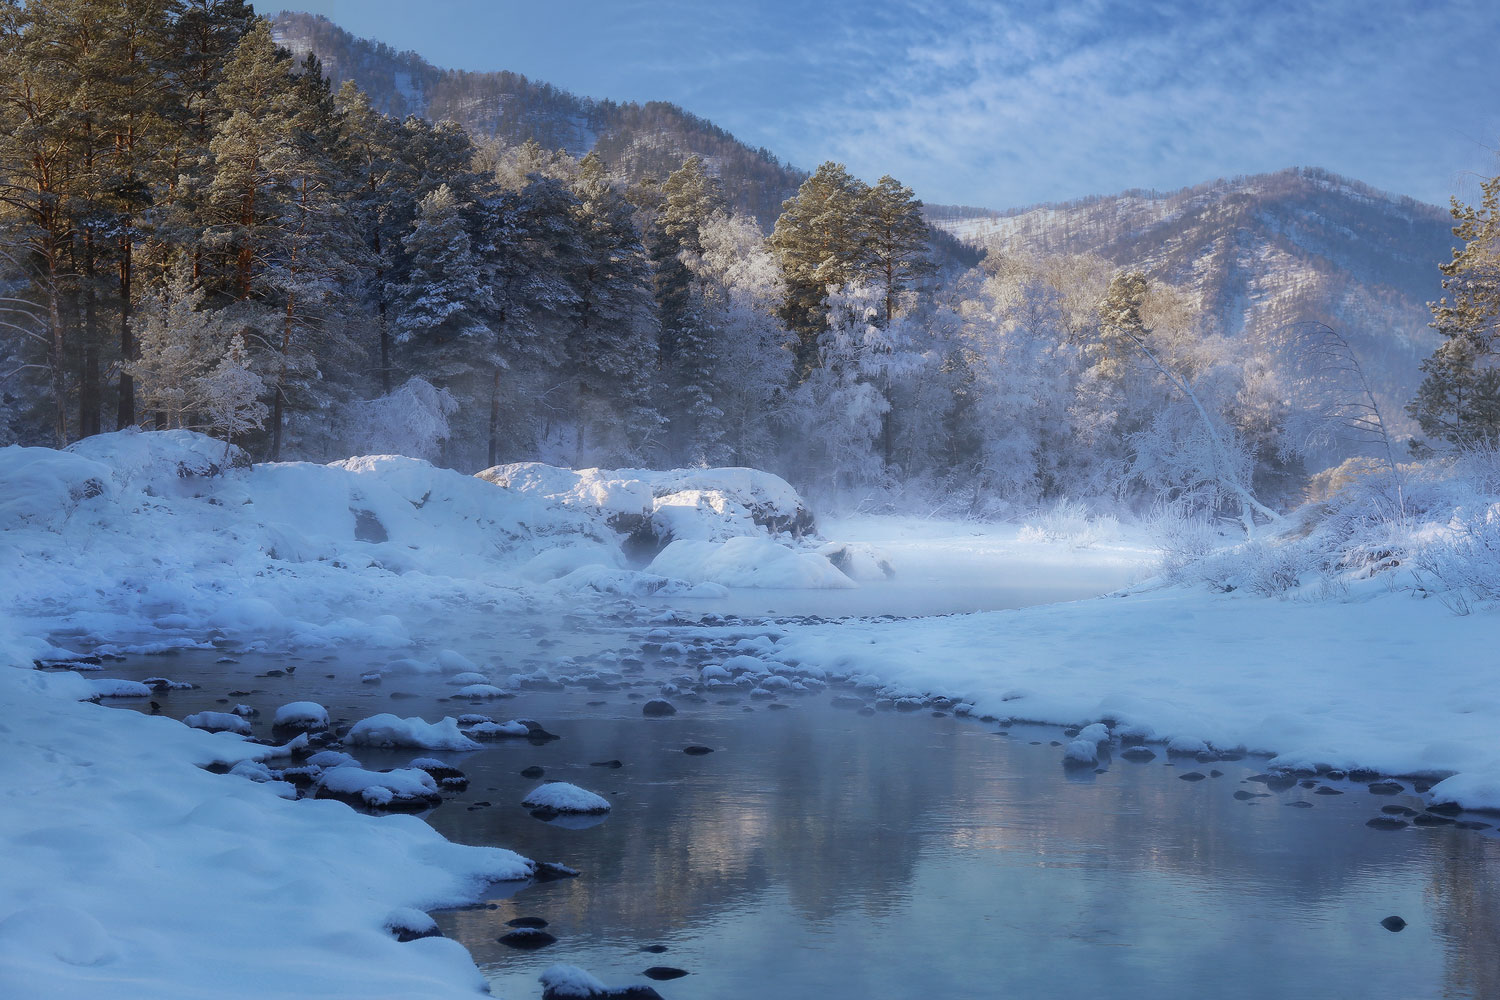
{"x":818,"y":852}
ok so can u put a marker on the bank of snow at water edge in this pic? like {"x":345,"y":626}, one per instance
{"x":130,"y":872}
{"x":1359,"y":663}
{"x":163,"y":536}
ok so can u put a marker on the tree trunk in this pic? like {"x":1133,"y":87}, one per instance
{"x":125,"y":413}
{"x":494,"y":451}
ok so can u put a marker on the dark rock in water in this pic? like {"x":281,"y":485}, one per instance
{"x":606,"y":763}
{"x":1308,"y":783}
{"x":1363,"y":774}
{"x":154,"y":707}
{"x":1325,"y":790}
{"x":697,"y":751}
{"x":654,"y":949}
{"x":663,"y":973}
{"x":527,"y":938}
{"x":1244,"y":796}
{"x":1300,"y":804}
{"x":1387,"y":788}
{"x":240,"y":694}
{"x":939,"y":715}
{"x":1071,"y":732}
{"x":1398,"y":811}
{"x":1281,"y":782}
{"x":1445,"y":808}
{"x":273,"y":673}
{"x":1336,"y":775}
{"x":1421,"y":787}
{"x":551,"y":871}
{"x":1470,"y":824}
{"x":1386,"y":823}
{"x":401,"y":695}
{"x":1138,"y":754}
{"x":777,"y":706}
{"x":1191,"y":776}
{"x":626,"y":993}
{"x":657,"y":708}
{"x":532,"y":772}
{"x":1393,"y":923}
{"x":536,"y":923}
{"x":1428,"y":819}
{"x":1216,"y":773}
{"x":439,"y":772}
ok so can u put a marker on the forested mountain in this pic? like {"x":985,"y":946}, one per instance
{"x":1259,"y":252}
{"x":637,"y":141}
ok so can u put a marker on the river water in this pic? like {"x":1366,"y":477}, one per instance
{"x":819,"y":852}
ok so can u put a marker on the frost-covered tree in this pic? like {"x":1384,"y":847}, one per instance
{"x":231,"y":393}
{"x":413,"y":420}
{"x":1458,"y":402}
{"x":896,"y":241}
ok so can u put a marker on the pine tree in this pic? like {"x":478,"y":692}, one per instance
{"x":687,"y":343}
{"x":896,"y":250}
{"x":611,"y":347}
{"x":1458,"y":401}
{"x":820,"y":242}
{"x":1121,"y":326}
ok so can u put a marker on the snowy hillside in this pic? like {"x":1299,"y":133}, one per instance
{"x":636,"y":140}
{"x":1261,"y":252}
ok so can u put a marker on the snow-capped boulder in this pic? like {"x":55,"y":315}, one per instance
{"x":386,"y":730}
{"x":561,"y":797}
{"x":404,"y":789}
{"x":305,"y":715}
{"x":218,"y":722}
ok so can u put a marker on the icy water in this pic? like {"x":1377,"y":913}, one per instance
{"x":818,"y":852}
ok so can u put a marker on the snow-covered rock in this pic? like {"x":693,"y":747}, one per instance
{"x":386,"y":730}
{"x":748,"y":562}
{"x":218,"y":722}
{"x":111,"y":687}
{"x":561,"y":797}
{"x":404,"y":788}
{"x":301,"y":715}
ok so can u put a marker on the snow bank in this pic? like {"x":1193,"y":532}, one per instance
{"x":133,"y":872}
{"x":748,"y":562}
{"x":559,"y":796}
{"x":386,"y":730}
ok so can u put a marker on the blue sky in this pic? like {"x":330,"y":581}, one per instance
{"x":1009,"y":103}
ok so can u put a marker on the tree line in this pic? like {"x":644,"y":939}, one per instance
{"x":197,"y":230}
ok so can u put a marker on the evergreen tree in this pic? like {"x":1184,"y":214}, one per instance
{"x":611,"y":347}
{"x":820,"y":240}
{"x":1458,"y":401}
{"x":897,"y":238}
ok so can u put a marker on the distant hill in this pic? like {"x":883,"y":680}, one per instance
{"x":1261,"y":252}
{"x":636,"y":140}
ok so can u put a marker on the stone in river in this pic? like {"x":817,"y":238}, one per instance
{"x":1393,"y":923}
{"x":1386,"y":788}
{"x":536,"y":923}
{"x":1138,"y":754}
{"x":532,"y":772}
{"x":606,"y":763}
{"x":655,"y":949}
{"x":656,"y":707}
{"x":527,"y":938}
{"x":662,"y":973}
{"x":1191,"y":776}
{"x":1386,"y":823}
{"x":1325,"y":790}
{"x":697,"y":751}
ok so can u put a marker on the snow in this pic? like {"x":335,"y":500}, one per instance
{"x":110,"y":687}
{"x":568,"y":981}
{"x":218,"y":722}
{"x":748,"y":562}
{"x":133,"y":872}
{"x":565,"y":798}
{"x":379,"y":788}
{"x":386,"y":730}
{"x":301,"y":714}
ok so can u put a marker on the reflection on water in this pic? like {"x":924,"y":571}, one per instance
{"x":822,"y":853}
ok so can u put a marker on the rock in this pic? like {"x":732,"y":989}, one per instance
{"x":1393,"y":923}
{"x":527,"y":938}
{"x":1138,"y":754}
{"x":446,"y":775}
{"x":1386,"y":823}
{"x":697,"y":751}
{"x":532,"y":772}
{"x":663,"y":973}
{"x":411,"y":925}
{"x":1191,"y":776}
{"x":1386,"y":788}
{"x":606,"y":763}
{"x":777,"y":706}
{"x":654,"y":949}
{"x":536,"y":923}
{"x":1428,"y":819}
{"x":1445,"y":808}
{"x":1325,"y":790}
{"x":551,"y":871}
{"x":1398,"y":811}
{"x":1244,"y":796}
{"x":1300,"y":804}
{"x":657,"y":708}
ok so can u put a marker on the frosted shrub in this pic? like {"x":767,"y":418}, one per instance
{"x":1271,"y":570}
{"x":412,"y":420}
{"x":1070,"y":521}
{"x":1184,"y":539}
{"x":1466,"y":563}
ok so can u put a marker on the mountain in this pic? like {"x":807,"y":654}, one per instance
{"x":637,"y":141}
{"x":1261,"y":252}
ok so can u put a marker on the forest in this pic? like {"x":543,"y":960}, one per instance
{"x":197,"y":230}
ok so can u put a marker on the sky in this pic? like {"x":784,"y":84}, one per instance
{"x":1015,"y":102}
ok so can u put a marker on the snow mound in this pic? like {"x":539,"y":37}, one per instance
{"x":561,"y":797}
{"x":218,"y":722}
{"x":566,"y":982}
{"x":748,"y":562}
{"x":858,"y":560}
{"x":301,"y":715}
{"x":386,"y":730}
{"x":404,"y":788}
{"x":110,"y":687}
